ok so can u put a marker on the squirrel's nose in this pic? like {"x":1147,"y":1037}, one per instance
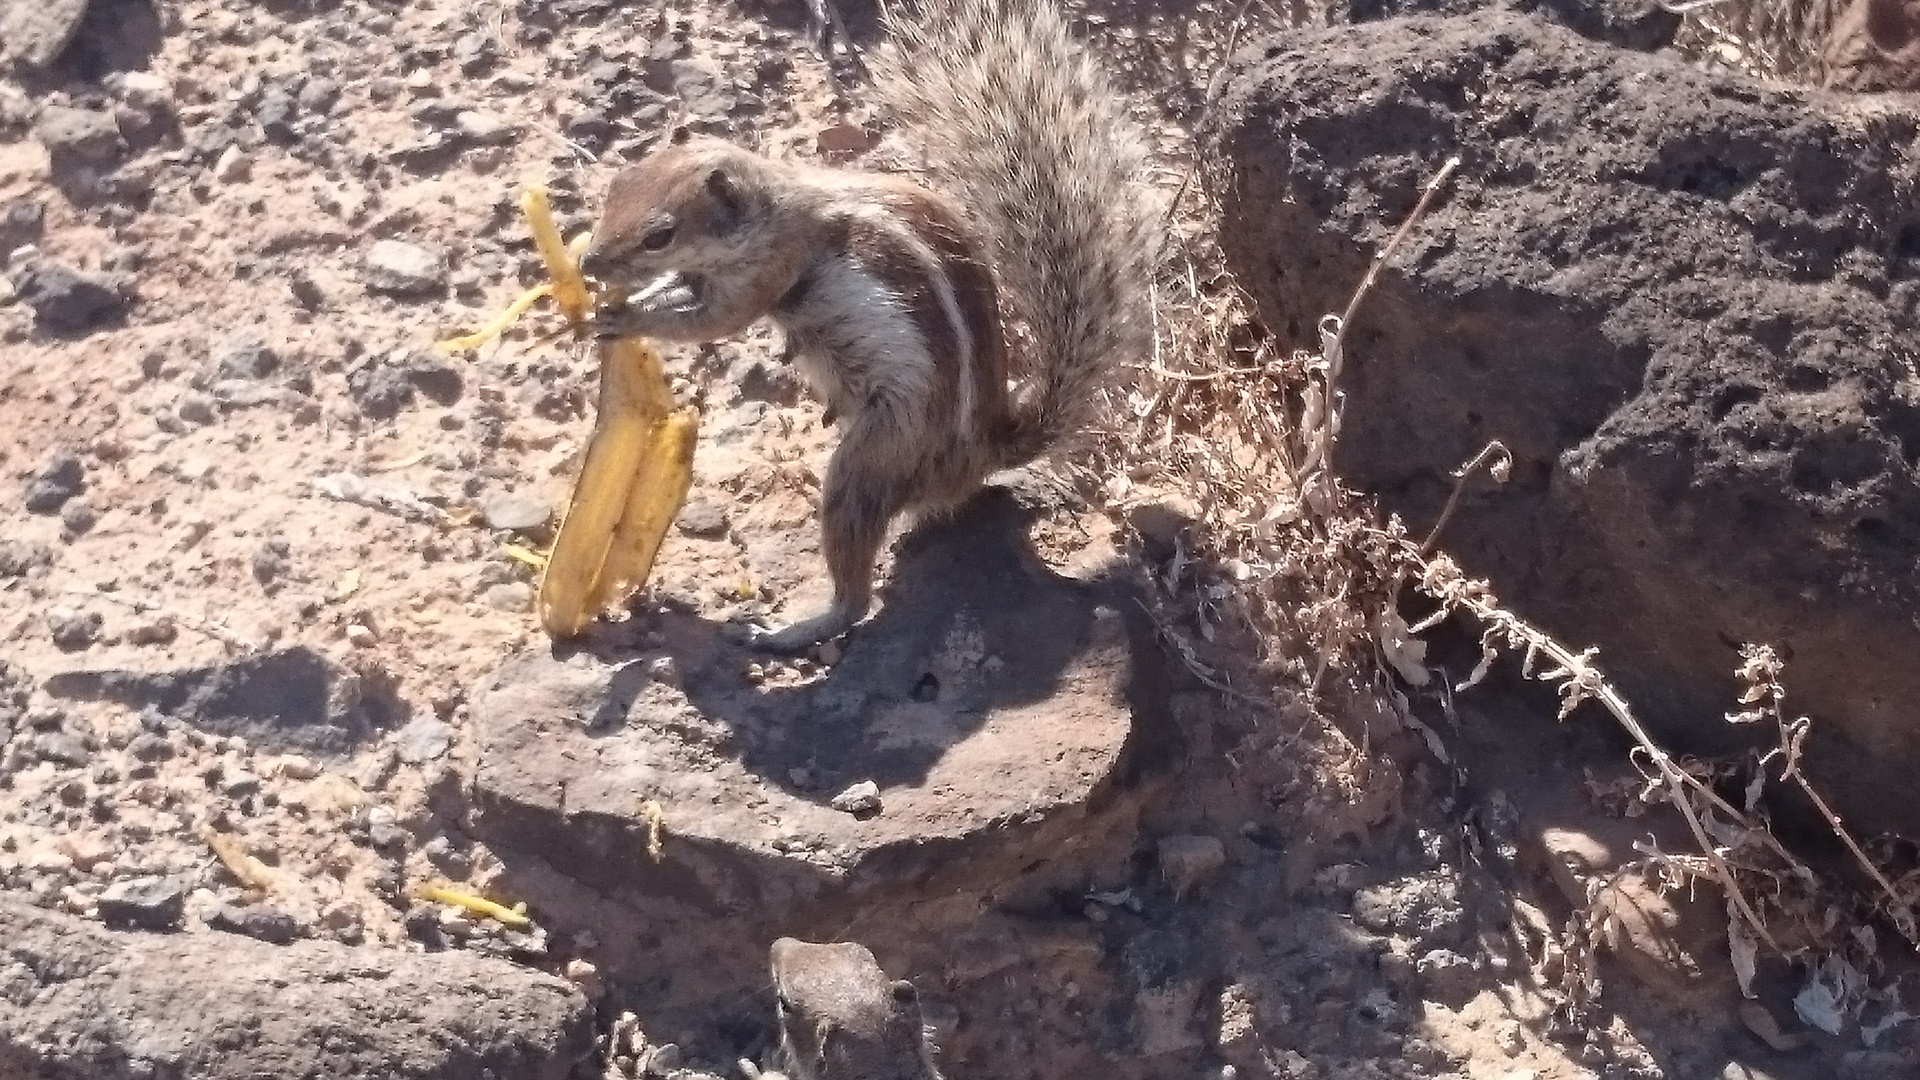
{"x":594,"y":263}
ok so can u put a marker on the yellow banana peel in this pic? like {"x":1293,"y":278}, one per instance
{"x":653,"y":501}
{"x":632,"y":484}
{"x":638,"y":466}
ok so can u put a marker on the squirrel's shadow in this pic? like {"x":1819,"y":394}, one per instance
{"x":971,"y":623}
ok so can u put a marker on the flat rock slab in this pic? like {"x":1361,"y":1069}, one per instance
{"x":79,"y":1001}
{"x":1687,"y":302}
{"x":995,"y":706}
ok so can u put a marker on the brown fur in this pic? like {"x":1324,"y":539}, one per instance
{"x":841,"y":1018}
{"x":890,"y":294}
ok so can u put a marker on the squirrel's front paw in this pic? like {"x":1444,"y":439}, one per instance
{"x":807,"y":633}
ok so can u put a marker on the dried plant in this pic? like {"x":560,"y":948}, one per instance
{"x":1308,"y":575}
{"x":1765,"y":698}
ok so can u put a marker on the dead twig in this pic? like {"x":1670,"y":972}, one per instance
{"x":1498,"y":462}
{"x":1760,"y":670}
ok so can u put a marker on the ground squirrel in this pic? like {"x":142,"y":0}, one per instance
{"x":908,"y":310}
{"x":841,"y":1018}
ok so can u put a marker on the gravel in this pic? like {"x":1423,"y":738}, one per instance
{"x":422,"y":740}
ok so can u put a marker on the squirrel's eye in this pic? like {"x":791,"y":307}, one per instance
{"x":657,"y":237}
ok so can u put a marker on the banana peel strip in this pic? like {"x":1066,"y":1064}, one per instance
{"x":470,"y":342}
{"x":639,"y":461}
{"x":569,"y":287}
{"x":515,"y":916}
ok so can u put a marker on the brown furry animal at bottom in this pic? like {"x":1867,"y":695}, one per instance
{"x":841,"y":1018}
{"x":891,"y":295}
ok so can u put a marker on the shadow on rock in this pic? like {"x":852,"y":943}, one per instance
{"x":1002,"y":713}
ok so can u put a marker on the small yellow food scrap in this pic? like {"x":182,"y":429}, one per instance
{"x":567,"y":287}
{"x":650,"y":810}
{"x":240,"y":862}
{"x":515,"y":916}
{"x":526,"y":555}
{"x":470,"y":342}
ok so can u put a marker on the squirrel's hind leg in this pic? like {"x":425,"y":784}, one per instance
{"x":865,"y":490}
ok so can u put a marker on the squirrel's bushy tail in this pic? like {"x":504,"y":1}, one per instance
{"x":1027,"y":132}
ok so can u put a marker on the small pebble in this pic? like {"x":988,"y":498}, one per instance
{"x":72,"y":630}
{"x":196,"y":408}
{"x":79,"y":136}
{"x":78,"y":519}
{"x":149,"y":903}
{"x":510,"y":596}
{"x":515,"y":512}
{"x":401,"y":269}
{"x":1187,"y":861}
{"x":861,"y":798}
{"x":60,"y":479}
{"x":484,"y":128}
{"x":702,"y":517}
{"x":270,"y":560}
{"x":239,"y":784}
{"x":150,"y":746}
{"x":233,"y":166}
{"x":422,"y":740}
{"x":387,"y":837}
{"x":62,"y":748}
{"x":442,"y":854}
{"x":155,"y":631}
{"x":584,"y":975}
{"x":66,"y":301}
{"x":845,"y":139}
{"x":268,"y":924}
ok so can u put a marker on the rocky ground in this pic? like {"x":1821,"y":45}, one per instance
{"x":260,"y":608}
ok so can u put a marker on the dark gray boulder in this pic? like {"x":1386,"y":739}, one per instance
{"x":1690,"y":305}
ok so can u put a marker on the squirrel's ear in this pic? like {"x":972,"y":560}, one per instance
{"x":681,"y":133}
{"x":732,"y":207}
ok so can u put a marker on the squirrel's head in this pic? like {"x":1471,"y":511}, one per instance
{"x":681,"y":231}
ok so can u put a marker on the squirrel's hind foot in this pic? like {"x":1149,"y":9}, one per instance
{"x":807,"y":633}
